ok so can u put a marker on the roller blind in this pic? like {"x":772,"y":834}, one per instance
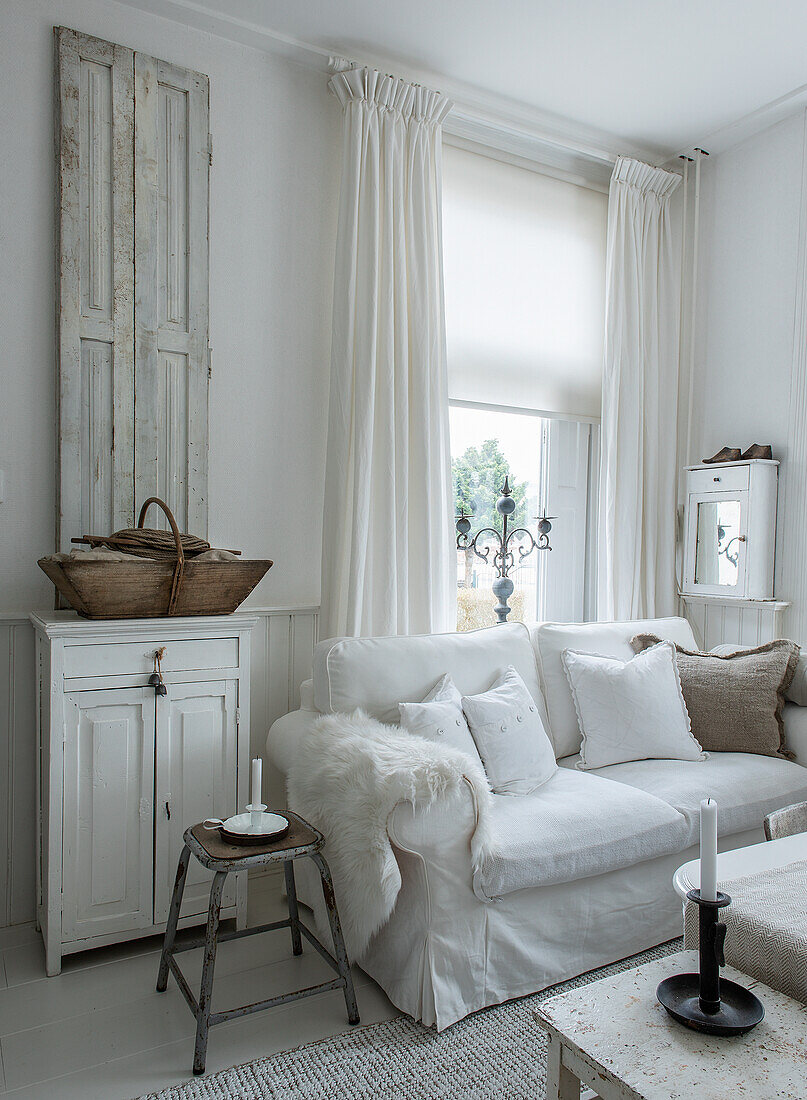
{"x":524,"y":263}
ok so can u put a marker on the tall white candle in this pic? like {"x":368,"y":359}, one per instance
{"x":709,"y":849}
{"x":257,"y":777}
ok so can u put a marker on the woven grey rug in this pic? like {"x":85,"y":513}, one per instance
{"x":496,"y":1054}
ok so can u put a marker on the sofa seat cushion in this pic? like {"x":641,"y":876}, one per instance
{"x":603,"y":639}
{"x":745,"y":786}
{"x":574,"y":826}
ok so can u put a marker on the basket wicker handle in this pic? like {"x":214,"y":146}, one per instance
{"x":180,"y":566}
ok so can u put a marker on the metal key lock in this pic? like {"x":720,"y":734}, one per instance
{"x":156,"y":678}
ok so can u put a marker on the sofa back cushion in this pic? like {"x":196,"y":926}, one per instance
{"x":377,"y":674}
{"x":604,"y":639}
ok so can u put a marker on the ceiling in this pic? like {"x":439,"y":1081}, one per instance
{"x":662,"y":74}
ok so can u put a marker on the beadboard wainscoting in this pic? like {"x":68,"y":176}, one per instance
{"x":18,"y":772}
{"x":282,"y":648}
{"x":733,"y":621}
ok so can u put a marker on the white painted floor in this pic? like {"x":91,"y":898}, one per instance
{"x":100,"y":1031}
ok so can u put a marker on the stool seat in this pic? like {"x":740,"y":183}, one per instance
{"x":301,"y":841}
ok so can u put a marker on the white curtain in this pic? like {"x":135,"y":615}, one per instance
{"x":388,"y":544}
{"x":639,"y":398}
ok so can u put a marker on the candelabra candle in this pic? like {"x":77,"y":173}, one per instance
{"x":708,"y":860}
{"x":256,"y":807}
{"x":505,"y":545}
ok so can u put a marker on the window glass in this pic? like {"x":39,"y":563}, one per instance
{"x":488,"y":446}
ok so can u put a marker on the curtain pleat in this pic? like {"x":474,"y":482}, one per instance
{"x":388,"y":559}
{"x":636,"y":576}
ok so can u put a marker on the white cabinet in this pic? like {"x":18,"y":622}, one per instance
{"x":124,"y":771}
{"x":730,"y":530}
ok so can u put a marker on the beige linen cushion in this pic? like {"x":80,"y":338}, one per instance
{"x":735,"y":700}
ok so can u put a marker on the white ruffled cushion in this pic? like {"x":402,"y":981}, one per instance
{"x":440,"y":718}
{"x":630,"y":710}
{"x":514,"y":746}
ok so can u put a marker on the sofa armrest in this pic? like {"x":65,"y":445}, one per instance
{"x":440,"y":832}
{"x":795,"y":719}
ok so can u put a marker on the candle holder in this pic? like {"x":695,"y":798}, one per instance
{"x":504,"y":543}
{"x":702,"y":1001}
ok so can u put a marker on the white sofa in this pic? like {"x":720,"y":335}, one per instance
{"x":587,"y":860}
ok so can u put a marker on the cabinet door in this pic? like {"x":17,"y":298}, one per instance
{"x":196,"y":778}
{"x":107,"y":854}
{"x":715,"y":556}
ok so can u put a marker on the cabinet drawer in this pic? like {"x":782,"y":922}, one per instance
{"x":718,"y":479}
{"x":137,"y":658}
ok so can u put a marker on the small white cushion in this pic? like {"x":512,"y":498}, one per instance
{"x":607,"y":639}
{"x":510,"y":736}
{"x":630,"y":710}
{"x":440,"y":718}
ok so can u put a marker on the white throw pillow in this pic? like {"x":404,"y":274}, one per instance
{"x":510,"y":736}
{"x":440,"y":718}
{"x":630,"y":710}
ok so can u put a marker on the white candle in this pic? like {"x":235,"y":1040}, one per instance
{"x":257,"y":776}
{"x":709,"y":849}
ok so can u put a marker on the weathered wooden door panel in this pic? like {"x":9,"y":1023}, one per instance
{"x":95,"y":286}
{"x":196,"y":778}
{"x":171,"y":339}
{"x":108,"y":816}
{"x":132,"y":298}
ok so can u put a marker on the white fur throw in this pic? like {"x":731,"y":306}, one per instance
{"x":348,"y":776}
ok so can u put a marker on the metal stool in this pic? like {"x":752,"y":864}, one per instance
{"x":222,"y":858}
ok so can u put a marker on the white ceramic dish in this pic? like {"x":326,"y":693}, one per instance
{"x":239,"y":829}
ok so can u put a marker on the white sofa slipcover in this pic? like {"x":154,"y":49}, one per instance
{"x":377,"y":674}
{"x":447,"y":951}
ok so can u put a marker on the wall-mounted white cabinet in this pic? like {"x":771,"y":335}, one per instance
{"x":123,"y":770}
{"x":730,"y":529}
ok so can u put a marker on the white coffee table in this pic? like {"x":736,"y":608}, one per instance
{"x":614,"y":1037}
{"x":740,"y":862}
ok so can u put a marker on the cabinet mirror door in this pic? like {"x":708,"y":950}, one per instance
{"x":716,"y":536}
{"x":196,"y":779}
{"x":108,"y":822}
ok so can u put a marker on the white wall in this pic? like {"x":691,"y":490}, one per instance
{"x":749,"y":241}
{"x":750,"y":211}
{"x":274,"y":192}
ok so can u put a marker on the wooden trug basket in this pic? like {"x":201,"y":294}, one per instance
{"x":153,"y":589}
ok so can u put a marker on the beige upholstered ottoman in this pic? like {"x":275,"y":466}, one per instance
{"x":766,"y":926}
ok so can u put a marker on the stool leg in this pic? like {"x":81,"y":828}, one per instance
{"x":206,"y":991}
{"x":291,"y":895}
{"x":338,"y":940}
{"x":173,"y":919}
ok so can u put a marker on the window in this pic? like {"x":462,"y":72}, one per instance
{"x":488,"y":446}
{"x":524,"y":260}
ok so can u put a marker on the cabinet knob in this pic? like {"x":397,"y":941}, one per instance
{"x":742,"y":538}
{"x":168,"y":811}
{"x":715,"y":479}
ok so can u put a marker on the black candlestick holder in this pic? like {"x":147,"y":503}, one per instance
{"x":702,"y":1001}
